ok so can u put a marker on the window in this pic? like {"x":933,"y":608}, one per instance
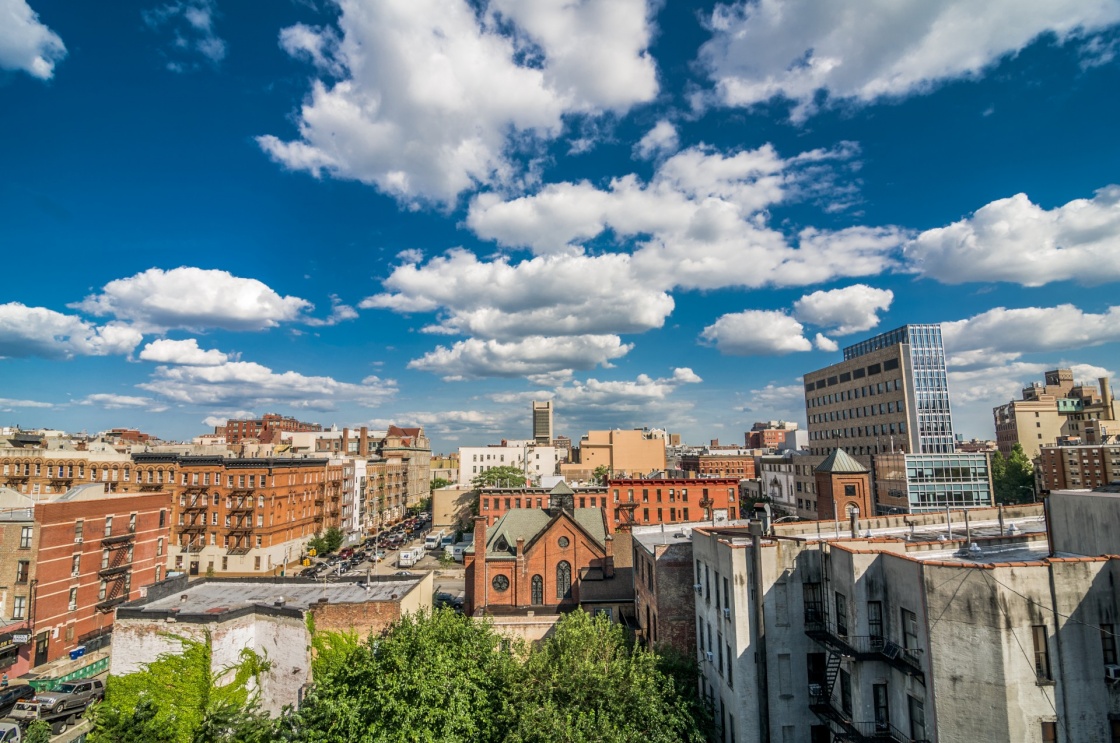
{"x":841,"y":614}
{"x":1049,"y":732}
{"x":537,"y":591}
{"x":917,"y":718}
{"x":73,"y":599}
{"x":19,"y":606}
{"x":563,"y":580}
{"x":108,"y":526}
{"x":1041,"y":652}
{"x":22,"y":567}
{"x":882,"y":708}
{"x":1108,"y":644}
{"x":162,"y":518}
{"x":25,"y":537}
{"x":76,"y":565}
{"x":846,"y":692}
{"x":909,"y":630}
{"x":875,"y":619}
{"x":159,"y":573}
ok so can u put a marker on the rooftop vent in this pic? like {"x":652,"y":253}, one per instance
{"x":183,"y":597}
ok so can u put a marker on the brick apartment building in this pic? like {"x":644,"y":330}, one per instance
{"x":634,"y":501}
{"x":242,"y":516}
{"x":265,"y":429}
{"x":731,"y":462}
{"x":493,"y":503}
{"x":67,"y":562}
{"x":1078,"y":467}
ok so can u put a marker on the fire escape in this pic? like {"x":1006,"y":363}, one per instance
{"x":841,"y":646}
{"x":116,"y":569}
{"x":194,"y":519}
{"x":241,"y":522}
{"x":626,"y":514}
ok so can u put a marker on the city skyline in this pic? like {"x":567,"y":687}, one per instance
{"x":434,"y":213}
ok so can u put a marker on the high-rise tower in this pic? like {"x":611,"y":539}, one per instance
{"x":542,"y":422}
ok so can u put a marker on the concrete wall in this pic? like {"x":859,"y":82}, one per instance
{"x":283,"y":640}
{"x":1085,"y":523}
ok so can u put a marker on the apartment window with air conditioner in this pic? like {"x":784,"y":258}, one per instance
{"x":73,"y":599}
{"x":22,"y":568}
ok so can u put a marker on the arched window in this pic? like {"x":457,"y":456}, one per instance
{"x":538,"y":590}
{"x":563,"y":580}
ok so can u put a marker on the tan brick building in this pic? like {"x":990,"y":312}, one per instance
{"x":1054,"y":410}
{"x":624,"y":453}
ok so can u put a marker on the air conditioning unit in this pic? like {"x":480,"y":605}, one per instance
{"x":75,"y":573}
{"x":78,"y":540}
{"x":73,"y":607}
{"x":1112,"y":673}
{"x":698,"y":587}
{"x":726,"y":613}
{"x":710,"y":656}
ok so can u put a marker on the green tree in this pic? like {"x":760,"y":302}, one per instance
{"x":435,"y":676}
{"x":504,"y":476}
{"x":326,"y":542}
{"x":177,"y":699}
{"x":600,"y":474}
{"x":439,"y":482}
{"x":1013,"y":477}
{"x":589,"y":682}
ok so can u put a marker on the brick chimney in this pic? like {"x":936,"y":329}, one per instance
{"x":522,"y":574}
{"x":476,"y":589}
{"x":363,"y":441}
{"x":608,"y":561}
{"x":345,"y":441}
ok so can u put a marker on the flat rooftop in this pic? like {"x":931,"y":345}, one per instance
{"x":221,"y":596}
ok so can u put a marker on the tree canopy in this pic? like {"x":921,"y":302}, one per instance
{"x":1013,"y":477}
{"x":327,"y":542}
{"x":601,"y":474}
{"x":504,"y":476}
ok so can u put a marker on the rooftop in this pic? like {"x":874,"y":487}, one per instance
{"x":220,"y":596}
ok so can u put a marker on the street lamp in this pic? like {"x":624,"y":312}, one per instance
{"x":1034,"y":495}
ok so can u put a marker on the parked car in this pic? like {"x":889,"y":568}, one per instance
{"x":13,"y":694}
{"x":346,"y":553}
{"x":10,"y":733}
{"x":73,"y":694}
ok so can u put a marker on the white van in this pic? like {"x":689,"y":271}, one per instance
{"x":434,"y":540}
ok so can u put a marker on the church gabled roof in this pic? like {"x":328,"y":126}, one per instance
{"x":840,"y":461}
{"x":530,"y":523}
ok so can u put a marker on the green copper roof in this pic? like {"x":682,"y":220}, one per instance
{"x":840,"y":461}
{"x":528,"y":523}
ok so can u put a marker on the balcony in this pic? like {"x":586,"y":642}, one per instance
{"x":194,"y":547}
{"x":196,"y":504}
{"x":192,"y":527}
{"x":111,"y":539}
{"x":110,"y":570}
{"x":862,"y":647}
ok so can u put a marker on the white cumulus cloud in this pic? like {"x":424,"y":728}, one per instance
{"x":548,"y":295}
{"x":661,"y":139}
{"x":38,"y":331}
{"x":435,"y":96}
{"x":532,"y":356}
{"x":187,"y":352}
{"x":25,"y":43}
{"x":850,"y":309}
{"x":756,"y":333}
{"x":864,"y":50}
{"x":111,"y":401}
{"x":1018,"y":241}
{"x":243,"y":384}
{"x":1013,"y":332}
{"x":193,"y":298}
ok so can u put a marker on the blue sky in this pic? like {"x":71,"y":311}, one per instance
{"x":434,"y":211}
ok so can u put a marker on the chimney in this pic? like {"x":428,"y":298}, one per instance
{"x":476,"y":597}
{"x":345,"y":441}
{"x":608,"y":561}
{"x":520,"y":547}
{"x":363,"y":441}
{"x":1106,"y":398}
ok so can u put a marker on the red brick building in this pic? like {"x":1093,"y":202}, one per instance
{"x":236,"y":516}
{"x":843,"y":485}
{"x":69,"y":561}
{"x":729,"y":463}
{"x":664,"y":599}
{"x":265,"y":429}
{"x":493,"y":503}
{"x":543,"y":560}
{"x":672,"y":500}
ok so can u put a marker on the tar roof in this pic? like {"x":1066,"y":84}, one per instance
{"x":207,"y":596}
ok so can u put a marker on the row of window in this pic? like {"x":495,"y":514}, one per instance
{"x":855,"y":393}
{"x":214,"y":520}
{"x":863,"y":411}
{"x":854,"y":432}
{"x":500,"y":583}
